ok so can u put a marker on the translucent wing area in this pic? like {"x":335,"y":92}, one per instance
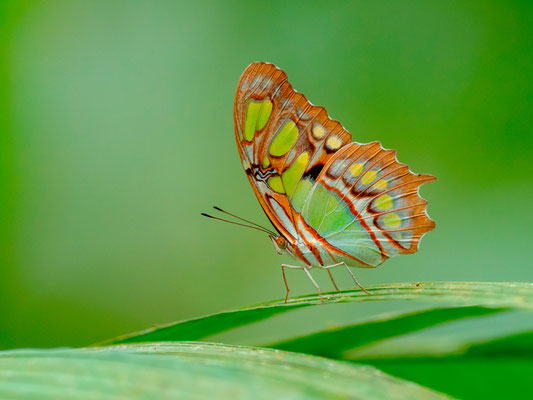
{"x":366,"y":205}
{"x":282,"y":140}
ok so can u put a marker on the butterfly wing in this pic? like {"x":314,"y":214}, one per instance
{"x":366,"y":207}
{"x":282,"y":140}
{"x":345,"y":201}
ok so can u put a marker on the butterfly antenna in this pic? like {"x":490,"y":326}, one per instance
{"x":236,"y":223}
{"x":242,"y":219}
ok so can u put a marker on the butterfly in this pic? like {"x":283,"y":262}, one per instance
{"x":332,"y":202}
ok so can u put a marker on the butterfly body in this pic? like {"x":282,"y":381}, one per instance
{"x":332,"y":201}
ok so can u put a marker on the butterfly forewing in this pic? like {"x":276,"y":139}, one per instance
{"x":282,"y":138}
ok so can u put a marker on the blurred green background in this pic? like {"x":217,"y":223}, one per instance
{"x":116,"y":131}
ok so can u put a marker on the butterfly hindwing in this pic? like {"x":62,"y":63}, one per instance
{"x":378,"y":212}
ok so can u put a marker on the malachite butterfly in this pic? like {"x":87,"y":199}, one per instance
{"x":332,"y":201}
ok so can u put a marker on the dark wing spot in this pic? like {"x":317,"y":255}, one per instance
{"x":314,"y":171}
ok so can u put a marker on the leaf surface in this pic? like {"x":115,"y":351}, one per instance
{"x":192,"y":371}
{"x":513,"y":295}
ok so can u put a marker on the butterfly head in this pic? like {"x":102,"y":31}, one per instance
{"x":280,"y":243}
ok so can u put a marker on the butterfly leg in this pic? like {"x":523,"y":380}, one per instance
{"x":355,"y":280}
{"x":314,"y":283}
{"x":283,"y":266}
{"x":327,"y":268}
{"x":331,"y":277}
{"x":306,"y":269}
{"x":350,"y":272}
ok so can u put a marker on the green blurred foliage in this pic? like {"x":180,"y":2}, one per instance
{"x":117,"y":131}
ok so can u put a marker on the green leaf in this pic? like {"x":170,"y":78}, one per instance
{"x":198,"y":328}
{"x":333,"y":342}
{"x":192,"y":370}
{"x":491,"y":294}
{"x":519,"y":345}
{"x":465,"y":377}
{"x":498,"y":368}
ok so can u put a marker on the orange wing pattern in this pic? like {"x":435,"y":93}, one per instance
{"x":276,"y":128}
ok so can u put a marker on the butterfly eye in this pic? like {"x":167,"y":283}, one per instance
{"x":281,"y":242}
